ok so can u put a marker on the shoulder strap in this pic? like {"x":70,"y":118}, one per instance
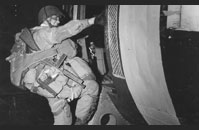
{"x":30,"y":60}
{"x":38,"y":56}
{"x":27,"y":37}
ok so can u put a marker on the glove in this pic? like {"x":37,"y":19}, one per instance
{"x":100,"y":19}
{"x":70,"y":93}
{"x":65,"y":93}
{"x":76,"y":91}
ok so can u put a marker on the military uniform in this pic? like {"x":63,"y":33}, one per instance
{"x":46,"y":37}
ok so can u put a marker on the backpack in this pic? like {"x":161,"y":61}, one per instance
{"x":20,"y":59}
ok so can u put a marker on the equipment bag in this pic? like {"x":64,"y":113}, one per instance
{"x":20,"y":60}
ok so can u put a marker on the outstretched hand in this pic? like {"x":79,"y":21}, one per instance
{"x":101,"y":18}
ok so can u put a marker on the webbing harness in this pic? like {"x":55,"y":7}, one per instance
{"x":45,"y":57}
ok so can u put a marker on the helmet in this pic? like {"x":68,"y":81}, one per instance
{"x":47,"y":12}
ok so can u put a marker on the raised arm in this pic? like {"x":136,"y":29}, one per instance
{"x":71,"y":28}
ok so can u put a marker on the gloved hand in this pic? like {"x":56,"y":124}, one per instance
{"x":100,"y":19}
{"x":70,"y":93}
{"x":65,"y":93}
{"x":76,"y":91}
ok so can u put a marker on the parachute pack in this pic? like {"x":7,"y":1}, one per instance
{"x":20,"y":59}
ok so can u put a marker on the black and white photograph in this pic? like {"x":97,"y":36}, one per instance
{"x":98,"y":64}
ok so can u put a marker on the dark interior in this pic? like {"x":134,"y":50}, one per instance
{"x":180,"y":56}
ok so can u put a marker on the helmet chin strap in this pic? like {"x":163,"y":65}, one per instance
{"x":50,"y":25}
